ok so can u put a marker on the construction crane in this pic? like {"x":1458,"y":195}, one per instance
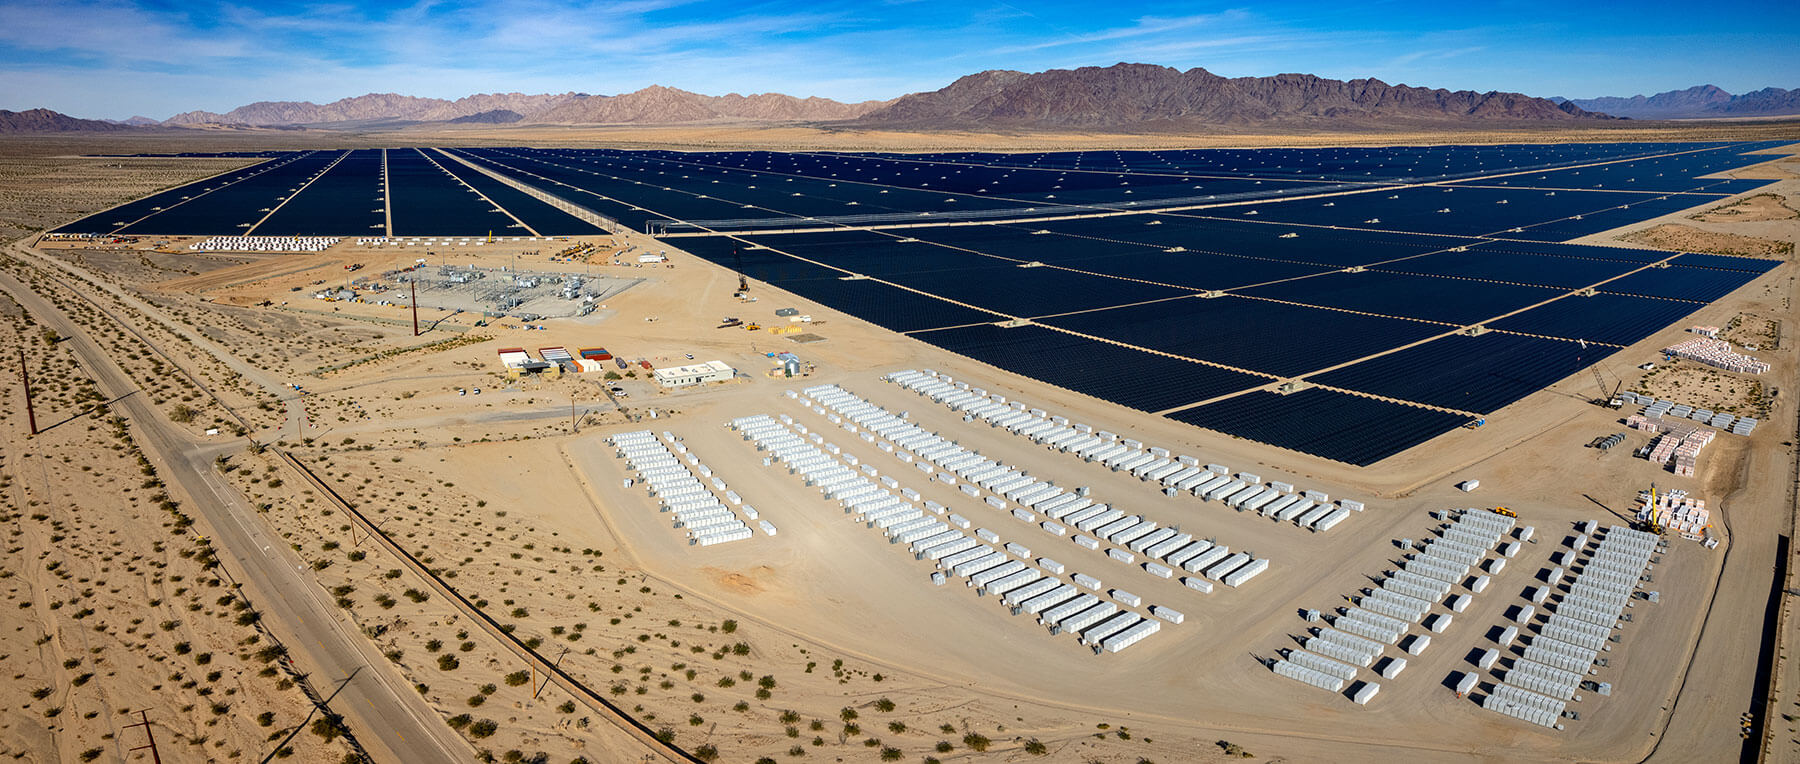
{"x":1606,"y":397}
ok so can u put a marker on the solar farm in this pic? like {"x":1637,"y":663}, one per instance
{"x":1281,"y":447}
{"x":1344,"y":303}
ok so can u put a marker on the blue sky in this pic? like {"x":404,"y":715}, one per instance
{"x":116,"y":58}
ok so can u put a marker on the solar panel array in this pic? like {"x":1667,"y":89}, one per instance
{"x":1366,"y":298}
{"x":1177,"y":282}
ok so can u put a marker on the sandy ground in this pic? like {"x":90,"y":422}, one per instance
{"x":117,"y":606}
{"x":1755,"y":208}
{"x":1683,"y":238}
{"x":535,"y":523}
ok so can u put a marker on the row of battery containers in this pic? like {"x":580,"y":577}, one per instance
{"x":1406,"y":597}
{"x":989,"y":571}
{"x":1137,"y":534}
{"x":1568,"y":643}
{"x":1331,"y":674}
{"x":1176,"y":474}
{"x":694,"y":508}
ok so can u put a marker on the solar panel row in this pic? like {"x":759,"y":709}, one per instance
{"x":1337,"y":426}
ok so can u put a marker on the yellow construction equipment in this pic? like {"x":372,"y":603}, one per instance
{"x":753,"y":327}
{"x":1503,"y":511}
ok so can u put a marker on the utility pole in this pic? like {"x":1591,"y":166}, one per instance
{"x":414,"y":281}
{"x":25,"y":376}
{"x":155,"y":757}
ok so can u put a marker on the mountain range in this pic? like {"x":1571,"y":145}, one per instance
{"x":652,"y":105}
{"x":1119,"y":98}
{"x":47,"y":121}
{"x":1699,"y":101}
{"x":1143,"y":97}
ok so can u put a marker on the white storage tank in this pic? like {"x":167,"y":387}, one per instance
{"x":1539,"y":594}
{"x":1526,"y":533}
{"x":1469,"y":485}
{"x":1160,"y":571}
{"x":987,"y":535}
{"x":1017,"y":550}
{"x":1524,"y":613}
{"x":1120,"y":555}
{"x":1479,"y":585}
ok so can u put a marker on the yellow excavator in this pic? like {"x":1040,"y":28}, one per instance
{"x":1504,"y":511}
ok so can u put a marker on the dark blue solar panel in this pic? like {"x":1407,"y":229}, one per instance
{"x":1603,"y":317}
{"x":1133,"y":378}
{"x":1681,"y":282}
{"x":1589,"y":251}
{"x":887,"y":306}
{"x":1263,"y":336}
{"x":1542,"y":270}
{"x":1479,"y":374}
{"x":345,"y":201}
{"x":1457,"y":301}
{"x":1326,"y":423}
{"x":1751,"y":264}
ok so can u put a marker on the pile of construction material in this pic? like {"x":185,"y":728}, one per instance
{"x":264,"y":244}
{"x":1714,"y":352}
{"x":1174,"y":474}
{"x":1679,"y":444}
{"x":677,"y":487}
{"x":1676,"y":511}
{"x":1656,"y":410}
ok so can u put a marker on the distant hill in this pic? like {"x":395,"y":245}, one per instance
{"x":494,"y":117}
{"x":1142,"y":97}
{"x":372,"y":107}
{"x":663,"y":105}
{"x":651,"y":105}
{"x":47,"y":121}
{"x":1697,"y":101}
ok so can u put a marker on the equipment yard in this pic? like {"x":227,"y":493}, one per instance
{"x":1139,"y":456}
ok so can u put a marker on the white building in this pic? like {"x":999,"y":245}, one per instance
{"x":682,"y":376}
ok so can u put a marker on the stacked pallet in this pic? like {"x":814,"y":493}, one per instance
{"x":1717,"y":353}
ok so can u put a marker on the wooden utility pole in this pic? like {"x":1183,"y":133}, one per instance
{"x":151,"y":736}
{"x":415,"y":304}
{"x":25,"y":376}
